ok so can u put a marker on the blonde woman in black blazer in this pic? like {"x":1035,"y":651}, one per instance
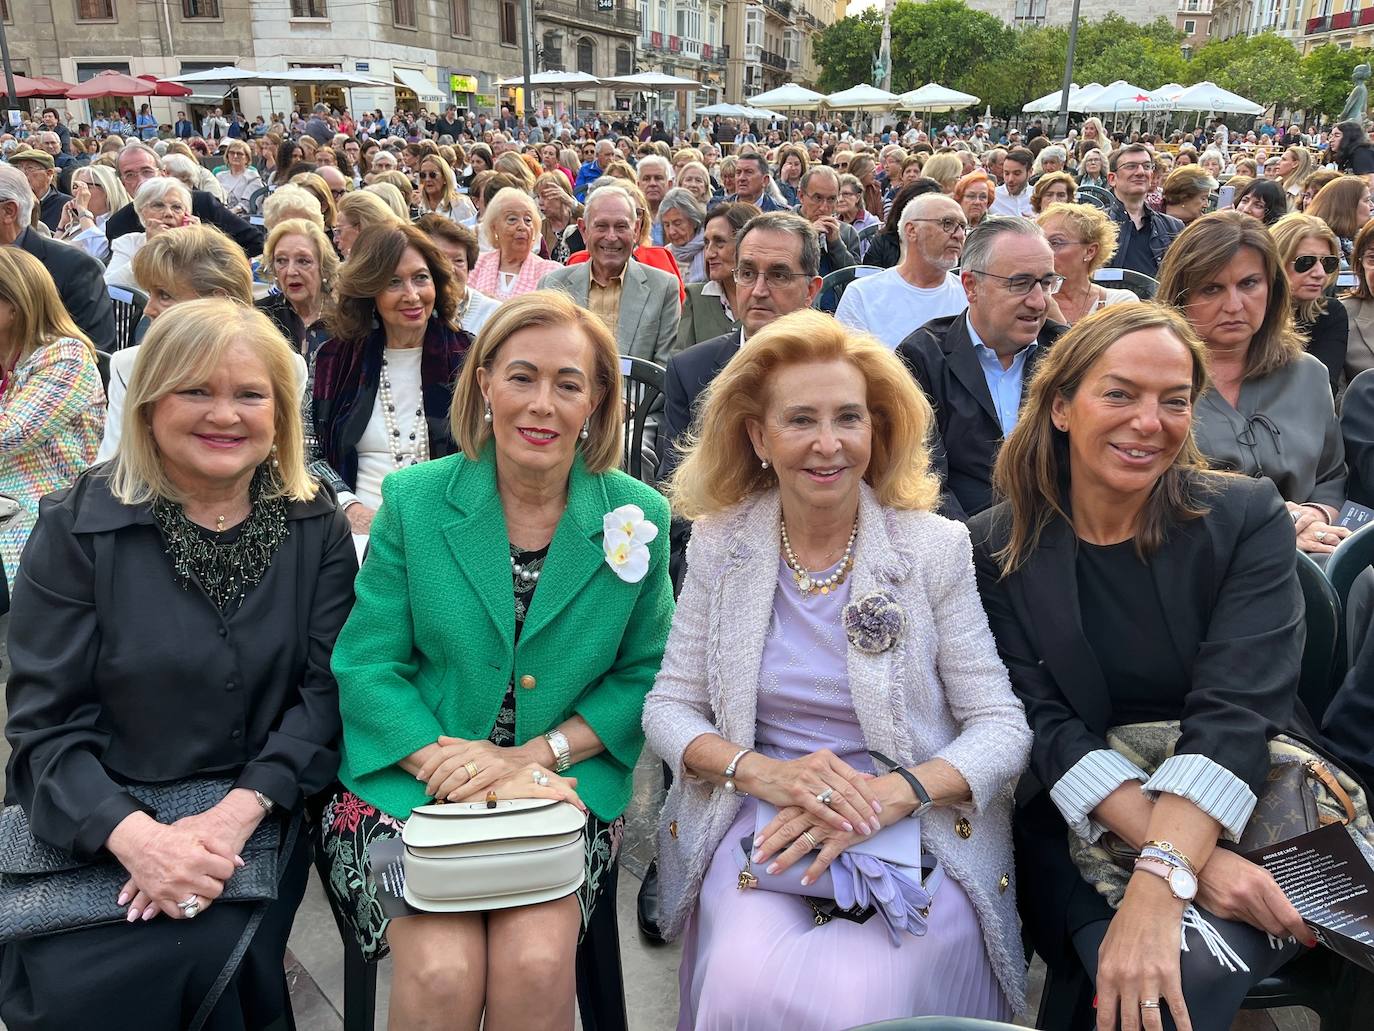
{"x":1127,"y":584}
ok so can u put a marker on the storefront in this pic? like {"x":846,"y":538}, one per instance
{"x":414,"y":92}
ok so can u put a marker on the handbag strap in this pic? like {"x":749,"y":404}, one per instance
{"x":1318,"y":770}
{"x":231,"y":965}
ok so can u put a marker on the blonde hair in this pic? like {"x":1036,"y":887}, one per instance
{"x":392,"y":198}
{"x":183,"y":348}
{"x":718,"y":467}
{"x":1289,"y":232}
{"x":40,"y":318}
{"x":291,"y":201}
{"x":238,"y":146}
{"x":1090,"y":223}
{"x":945,"y":169}
{"x":324,"y":253}
{"x":313,"y":184}
{"x":1032,"y":468}
{"x":201,"y":257}
{"x":366,"y":209}
{"x":115,"y":194}
{"x":449,"y":188}
{"x":1294,"y":180}
{"x":545,"y":309}
{"x":513,"y":165}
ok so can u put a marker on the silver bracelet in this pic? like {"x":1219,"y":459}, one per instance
{"x":267,"y":804}
{"x":730,"y":770}
{"x":562,"y":751}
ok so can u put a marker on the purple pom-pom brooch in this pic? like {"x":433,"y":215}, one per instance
{"x":874,"y":622}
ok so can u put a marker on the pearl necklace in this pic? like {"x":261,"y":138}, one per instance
{"x":808,"y":584}
{"x":522,"y":572}
{"x":419,"y":431}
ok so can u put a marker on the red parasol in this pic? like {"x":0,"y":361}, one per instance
{"x":167,"y":89}
{"x":111,"y":84}
{"x":27,"y":87}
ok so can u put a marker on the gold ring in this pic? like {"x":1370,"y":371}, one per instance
{"x":471,"y":767}
{"x":811,"y":840}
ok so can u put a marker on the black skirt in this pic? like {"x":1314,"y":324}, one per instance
{"x":140,"y":977}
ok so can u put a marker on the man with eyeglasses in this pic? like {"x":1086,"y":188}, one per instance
{"x":919,"y":288}
{"x":1143,"y":234}
{"x":137,"y":163}
{"x":338,"y":183}
{"x":818,"y":196}
{"x":974,"y":366}
{"x":639,"y":303}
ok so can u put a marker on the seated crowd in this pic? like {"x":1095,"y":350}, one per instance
{"x":936,"y":591}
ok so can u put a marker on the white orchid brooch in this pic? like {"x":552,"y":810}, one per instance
{"x":626,"y":536}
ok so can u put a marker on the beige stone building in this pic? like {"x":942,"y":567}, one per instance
{"x":1346,"y":23}
{"x":772,"y":42}
{"x":1059,"y":12}
{"x":1194,"y":21}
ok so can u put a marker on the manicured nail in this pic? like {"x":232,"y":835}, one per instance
{"x":805,"y":880}
{"x":758,"y":840}
{"x":239,"y":862}
{"x":865,"y":828}
{"x":123,"y":898}
{"x":772,"y":868}
{"x":149,"y":913}
{"x":877,"y":806}
{"x":133,"y":916}
{"x":847,"y":828}
{"x":1313,"y":943}
{"x":1094,"y":1002}
{"x":758,"y":854}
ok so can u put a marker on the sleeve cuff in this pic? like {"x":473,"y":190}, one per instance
{"x":1079,"y":791}
{"x":100,"y":823}
{"x":1212,"y":788}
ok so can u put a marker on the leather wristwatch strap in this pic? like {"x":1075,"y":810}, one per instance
{"x":922,"y":795}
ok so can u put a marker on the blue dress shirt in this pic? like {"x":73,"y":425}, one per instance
{"x":1003,"y":384}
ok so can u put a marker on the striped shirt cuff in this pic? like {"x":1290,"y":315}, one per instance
{"x":1087,"y":783}
{"x":1212,"y":788}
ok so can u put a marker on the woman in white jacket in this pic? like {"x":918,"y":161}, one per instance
{"x":830,"y":631}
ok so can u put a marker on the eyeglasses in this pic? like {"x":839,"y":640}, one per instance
{"x":429,"y":175}
{"x":338,"y":193}
{"x":1058,"y":243}
{"x":776,"y":278}
{"x":1136,"y":166}
{"x":1330,"y":263}
{"x":949,"y":226}
{"x":1020,"y":285}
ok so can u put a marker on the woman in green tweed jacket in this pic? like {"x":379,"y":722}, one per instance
{"x":511,"y":616}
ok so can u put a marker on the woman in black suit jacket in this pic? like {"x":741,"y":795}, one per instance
{"x":1126,"y":584}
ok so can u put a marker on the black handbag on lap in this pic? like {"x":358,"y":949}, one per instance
{"x":45,"y":891}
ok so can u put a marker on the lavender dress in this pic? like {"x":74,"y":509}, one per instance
{"x":755,"y":958}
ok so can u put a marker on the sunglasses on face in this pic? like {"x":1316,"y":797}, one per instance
{"x":1330,"y":263}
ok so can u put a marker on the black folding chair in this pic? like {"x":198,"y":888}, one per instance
{"x":256,"y":201}
{"x":833,"y":286}
{"x":1322,"y":665}
{"x":128,"y":303}
{"x":1084,"y":197}
{"x":1128,"y":279}
{"x":643,"y":397}
{"x":1099,"y":195}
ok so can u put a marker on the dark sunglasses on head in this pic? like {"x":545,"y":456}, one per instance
{"x":1330,"y":263}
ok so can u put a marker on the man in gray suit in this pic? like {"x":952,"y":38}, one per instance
{"x":639,"y":303}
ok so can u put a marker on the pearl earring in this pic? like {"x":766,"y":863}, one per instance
{"x":486,"y":416}
{"x":765,"y":463}
{"x":586,"y":428}
{"x":275,"y":464}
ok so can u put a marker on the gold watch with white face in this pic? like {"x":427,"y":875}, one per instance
{"x":1182,"y":881}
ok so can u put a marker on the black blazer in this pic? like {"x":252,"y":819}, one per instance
{"x":1228,"y":581}
{"x":80,"y":282}
{"x":1357,"y":427}
{"x":205,"y":207}
{"x":689,"y":373}
{"x":967,"y":434}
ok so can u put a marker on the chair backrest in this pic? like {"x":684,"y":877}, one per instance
{"x":256,"y":201}
{"x":834,"y":284}
{"x":1351,"y":557}
{"x":868,"y":232}
{"x":1128,"y":279}
{"x":128,"y":304}
{"x":1322,"y":669}
{"x":102,"y":362}
{"x":1347,"y":280}
{"x":1100,"y":195}
{"x":1085,"y":197}
{"x":643,"y":397}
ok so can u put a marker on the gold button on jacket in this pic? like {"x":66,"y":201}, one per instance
{"x":527,"y":682}
{"x":963,"y":828}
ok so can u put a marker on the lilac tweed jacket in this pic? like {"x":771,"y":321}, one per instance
{"x":940,"y":691}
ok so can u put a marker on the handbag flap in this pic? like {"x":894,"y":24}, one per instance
{"x":466,"y":823}
{"x":898,"y":843}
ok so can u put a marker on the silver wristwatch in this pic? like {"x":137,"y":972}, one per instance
{"x":267,"y":804}
{"x":562,"y":751}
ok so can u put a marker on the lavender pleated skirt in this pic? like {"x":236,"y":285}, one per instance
{"x":756,"y":959}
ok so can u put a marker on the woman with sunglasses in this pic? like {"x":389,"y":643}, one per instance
{"x":1310,"y":254}
{"x":1270,"y":412}
{"x":439,"y":191}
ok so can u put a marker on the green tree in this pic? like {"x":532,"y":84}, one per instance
{"x":1262,"y":68}
{"x":1144,"y":61}
{"x":1031,"y":66}
{"x":846,"y":49}
{"x":1328,"y":70}
{"x":942,"y":41}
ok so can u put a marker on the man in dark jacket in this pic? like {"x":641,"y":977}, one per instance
{"x":80,"y":278}
{"x":138,"y":162}
{"x":974,"y":367}
{"x":1143,"y":235}
{"x":38,"y":169}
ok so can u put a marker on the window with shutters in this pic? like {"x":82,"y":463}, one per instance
{"x":460,"y":17}
{"x":199,"y":9}
{"x":95,"y":10}
{"x":510,"y":25}
{"x":403,"y":13}
{"x":586,"y":56}
{"x":624,"y":61}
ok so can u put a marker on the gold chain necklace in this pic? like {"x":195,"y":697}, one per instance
{"x":808,"y":584}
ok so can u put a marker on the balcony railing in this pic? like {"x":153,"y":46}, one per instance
{"x":782,"y":8}
{"x":716,"y":54}
{"x":773,"y":60}
{"x":590,"y":11}
{"x":1343,"y":20}
{"x":1367,"y":16}
{"x":1315,"y":25}
{"x":675,"y":44}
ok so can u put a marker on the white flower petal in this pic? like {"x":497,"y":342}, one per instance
{"x":636,"y":565}
{"x":623,"y":518}
{"x":645,"y":531}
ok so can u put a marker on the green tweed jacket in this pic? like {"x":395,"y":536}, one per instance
{"x":430,"y":646}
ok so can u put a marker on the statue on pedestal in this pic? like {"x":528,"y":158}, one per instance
{"x":1359,"y":96}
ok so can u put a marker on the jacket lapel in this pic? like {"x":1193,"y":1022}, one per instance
{"x":478,"y":539}
{"x":1049,"y":583}
{"x":580,"y":282}
{"x":963,"y":363}
{"x":575,"y":553}
{"x":1364,"y":329}
{"x":633,"y":300}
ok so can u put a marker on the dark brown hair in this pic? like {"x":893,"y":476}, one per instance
{"x":442,"y":228}
{"x":368,"y":270}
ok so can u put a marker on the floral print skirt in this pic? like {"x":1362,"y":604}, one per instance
{"x":349,"y":826}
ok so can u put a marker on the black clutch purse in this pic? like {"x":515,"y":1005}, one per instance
{"x":45,"y":891}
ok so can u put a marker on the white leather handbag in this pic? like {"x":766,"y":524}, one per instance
{"x":462,"y":857}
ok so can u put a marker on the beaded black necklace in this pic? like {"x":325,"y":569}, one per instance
{"x":224,"y":566}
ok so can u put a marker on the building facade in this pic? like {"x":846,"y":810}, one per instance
{"x":1060,"y":12}
{"x":599,"y":37}
{"x":1194,"y":23}
{"x":1251,"y":17}
{"x":685,"y":38}
{"x":1346,"y":23}
{"x":771,"y":42}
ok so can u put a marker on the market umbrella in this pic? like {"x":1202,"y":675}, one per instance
{"x":162,"y":88}
{"x":570,"y":81}
{"x":788,"y":95}
{"x":654,"y":82}
{"x":111,"y":84}
{"x":24,"y":86}
{"x":861,"y":96}
{"x":1208,"y":96}
{"x":1049,"y":103}
{"x":934,"y":97}
{"x":1121,"y":96}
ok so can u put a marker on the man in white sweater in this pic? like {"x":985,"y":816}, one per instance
{"x":897,"y":301}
